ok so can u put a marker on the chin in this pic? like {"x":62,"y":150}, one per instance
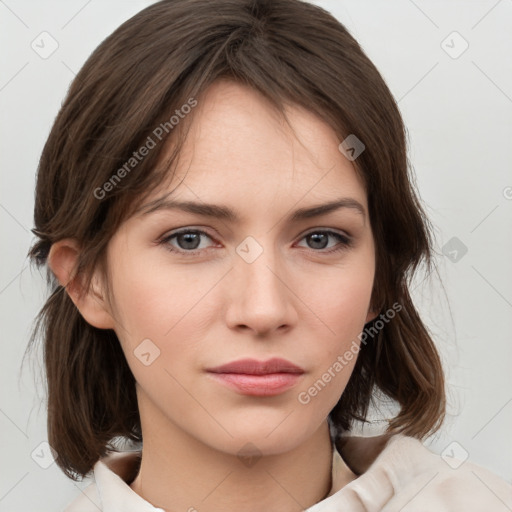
{"x":261,"y":438}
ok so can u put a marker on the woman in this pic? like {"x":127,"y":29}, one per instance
{"x":229,"y":224}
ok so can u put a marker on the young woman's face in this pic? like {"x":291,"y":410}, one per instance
{"x":261,"y":283}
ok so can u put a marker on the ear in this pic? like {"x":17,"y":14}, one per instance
{"x":63,"y":260}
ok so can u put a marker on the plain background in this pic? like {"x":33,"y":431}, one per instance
{"x":457,"y":105}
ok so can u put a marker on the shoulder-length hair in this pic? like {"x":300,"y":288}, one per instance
{"x":145,"y":72}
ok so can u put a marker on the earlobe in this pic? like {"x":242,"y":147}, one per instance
{"x":63,"y":260}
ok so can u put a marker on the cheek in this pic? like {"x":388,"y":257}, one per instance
{"x":154,"y":300}
{"x":341,"y":302}
{"x":164,"y":316}
{"x":340,"y":299}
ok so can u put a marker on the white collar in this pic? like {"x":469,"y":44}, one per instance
{"x":387,"y":468}
{"x":111,"y":475}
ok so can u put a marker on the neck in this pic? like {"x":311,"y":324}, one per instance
{"x":179,"y":472}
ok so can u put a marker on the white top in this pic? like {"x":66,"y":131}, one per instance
{"x":396,"y":473}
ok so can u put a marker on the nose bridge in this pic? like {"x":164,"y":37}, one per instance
{"x":257,"y":262}
{"x":261,"y":300}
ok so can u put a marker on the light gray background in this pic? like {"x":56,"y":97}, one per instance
{"x":459,"y":115}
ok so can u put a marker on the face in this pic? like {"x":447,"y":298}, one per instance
{"x":194,"y":291}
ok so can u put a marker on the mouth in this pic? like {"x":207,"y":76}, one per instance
{"x":258,"y":378}
{"x":255,"y":367}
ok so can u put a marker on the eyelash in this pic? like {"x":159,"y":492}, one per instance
{"x":345,"y":242}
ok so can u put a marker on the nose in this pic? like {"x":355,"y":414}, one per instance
{"x":261,"y":297}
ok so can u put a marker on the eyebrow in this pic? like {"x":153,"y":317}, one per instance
{"x":227,"y":214}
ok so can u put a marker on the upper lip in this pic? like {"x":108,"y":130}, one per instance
{"x":255,"y":367}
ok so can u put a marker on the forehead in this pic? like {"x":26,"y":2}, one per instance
{"x":240,"y":148}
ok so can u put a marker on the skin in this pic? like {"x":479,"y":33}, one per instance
{"x":295,"y":301}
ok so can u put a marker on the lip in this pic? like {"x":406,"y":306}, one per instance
{"x":255,"y":367}
{"x":258,"y":378}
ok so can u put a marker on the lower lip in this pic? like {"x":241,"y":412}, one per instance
{"x":259,"y":385}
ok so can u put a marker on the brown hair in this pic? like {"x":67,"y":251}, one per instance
{"x":291,"y":52}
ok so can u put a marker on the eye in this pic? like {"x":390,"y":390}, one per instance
{"x":320,"y":239}
{"x":188,"y":241}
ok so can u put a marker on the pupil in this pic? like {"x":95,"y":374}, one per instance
{"x":319,"y":240}
{"x":191,"y":240}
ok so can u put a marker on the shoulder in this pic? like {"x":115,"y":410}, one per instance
{"x":404,"y":475}
{"x":444,"y":483}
